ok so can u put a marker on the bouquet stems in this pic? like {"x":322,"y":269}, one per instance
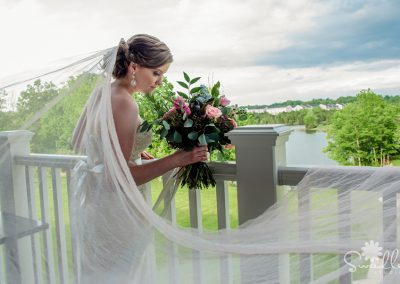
{"x":196,"y":175}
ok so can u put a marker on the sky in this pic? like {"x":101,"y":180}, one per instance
{"x":262,"y":51}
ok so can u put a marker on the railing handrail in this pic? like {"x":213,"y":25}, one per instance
{"x":293,"y":175}
{"x":221,"y":170}
{"x":48,"y":160}
{"x":287,"y":175}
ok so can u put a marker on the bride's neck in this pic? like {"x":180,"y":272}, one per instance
{"x":126,"y":84}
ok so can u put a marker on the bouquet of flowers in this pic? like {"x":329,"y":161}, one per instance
{"x":201,"y":116}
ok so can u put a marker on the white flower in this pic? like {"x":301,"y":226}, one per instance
{"x":371,"y":250}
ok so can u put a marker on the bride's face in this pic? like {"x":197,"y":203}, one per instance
{"x":147,"y":79}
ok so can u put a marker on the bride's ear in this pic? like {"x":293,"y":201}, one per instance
{"x":132,"y":67}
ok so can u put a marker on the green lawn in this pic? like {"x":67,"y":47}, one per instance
{"x":208,"y":204}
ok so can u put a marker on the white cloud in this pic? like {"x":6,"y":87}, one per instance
{"x":265,"y":85}
{"x":223,"y":39}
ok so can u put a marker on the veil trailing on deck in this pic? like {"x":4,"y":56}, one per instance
{"x":315,"y":233}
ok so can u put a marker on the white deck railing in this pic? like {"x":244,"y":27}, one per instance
{"x":39,"y":202}
{"x":259,"y":169}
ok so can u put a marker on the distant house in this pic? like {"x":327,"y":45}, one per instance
{"x":322,"y":106}
{"x":339,"y":106}
{"x":307,"y":106}
{"x":277,"y":110}
{"x":257,"y":110}
{"x":298,"y":107}
{"x":331,"y":106}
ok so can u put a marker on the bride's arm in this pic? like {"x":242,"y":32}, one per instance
{"x":125,"y":113}
{"x":145,"y":173}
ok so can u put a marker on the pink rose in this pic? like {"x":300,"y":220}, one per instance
{"x":187,"y":110}
{"x":213,"y":112}
{"x":179,"y":103}
{"x":224,"y":101}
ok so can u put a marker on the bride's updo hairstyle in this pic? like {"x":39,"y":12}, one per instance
{"x":144,"y":50}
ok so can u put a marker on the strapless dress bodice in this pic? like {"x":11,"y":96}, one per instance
{"x":141,"y":142}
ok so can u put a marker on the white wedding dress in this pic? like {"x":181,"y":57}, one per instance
{"x":98,"y":214}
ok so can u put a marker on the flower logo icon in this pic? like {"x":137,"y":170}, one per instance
{"x":371,"y":250}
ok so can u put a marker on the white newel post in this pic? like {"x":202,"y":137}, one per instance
{"x":14,"y":200}
{"x":260,"y":150}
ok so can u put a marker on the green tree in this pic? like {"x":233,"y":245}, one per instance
{"x":364,"y":132}
{"x":4,"y":117}
{"x":161,"y":97}
{"x":34,"y":98}
{"x":310,"y":120}
{"x":53,"y":130}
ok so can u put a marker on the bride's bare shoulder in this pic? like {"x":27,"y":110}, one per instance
{"x":122,"y":100}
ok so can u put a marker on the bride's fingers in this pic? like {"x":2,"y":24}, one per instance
{"x":201,"y":154}
{"x":200,"y":149}
{"x":147,"y":156}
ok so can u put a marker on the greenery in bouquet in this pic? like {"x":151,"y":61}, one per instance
{"x":199,"y":116}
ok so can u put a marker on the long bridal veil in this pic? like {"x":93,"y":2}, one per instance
{"x":317,"y":233}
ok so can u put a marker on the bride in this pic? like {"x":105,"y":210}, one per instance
{"x":120,"y":238}
{"x":140,"y":65}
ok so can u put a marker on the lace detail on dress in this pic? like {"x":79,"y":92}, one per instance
{"x":142,"y":141}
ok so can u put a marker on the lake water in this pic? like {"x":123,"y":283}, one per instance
{"x":305,"y":149}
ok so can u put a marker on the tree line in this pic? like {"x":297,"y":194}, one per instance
{"x":316,"y":102}
{"x":365,"y":132}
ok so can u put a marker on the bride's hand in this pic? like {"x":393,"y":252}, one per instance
{"x":146,"y":156}
{"x":197,"y":154}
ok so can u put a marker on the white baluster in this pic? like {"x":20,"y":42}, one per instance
{"x":47,"y":237}
{"x":60,"y":225}
{"x":35,"y":239}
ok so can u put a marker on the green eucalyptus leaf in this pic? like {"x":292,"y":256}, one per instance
{"x":164,"y":133}
{"x":183,"y":84}
{"x":184,"y":116}
{"x":177,"y":137}
{"x":202,"y":139}
{"x":143,"y":126}
{"x":194,"y":80}
{"x":187,"y":78}
{"x":150,"y":127}
{"x":193,"y":135}
{"x":195,"y":90}
{"x":212,"y":136}
{"x":210,"y":100}
{"x":213,"y":127}
{"x":215,"y":90}
{"x":166,"y":125}
{"x":209,"y":140}
{"x":188,"y":123}
{"x":183,"y":95}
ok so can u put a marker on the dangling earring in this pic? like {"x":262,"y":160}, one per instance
{"x":133,"y":82}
